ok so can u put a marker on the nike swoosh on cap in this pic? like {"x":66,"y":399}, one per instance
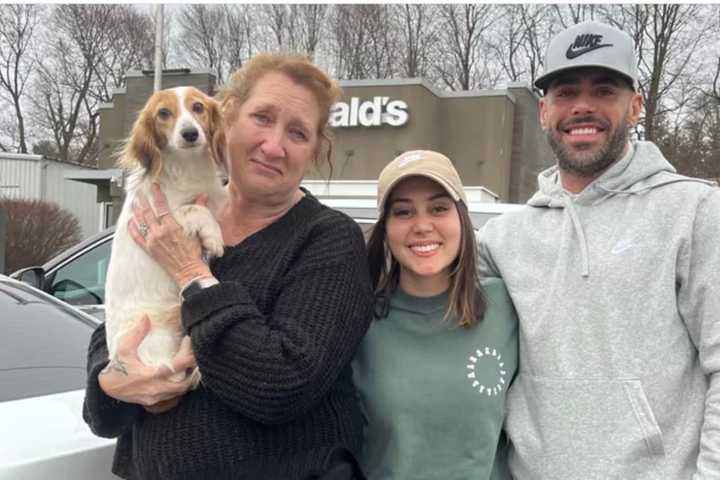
{"x":570,"y":54}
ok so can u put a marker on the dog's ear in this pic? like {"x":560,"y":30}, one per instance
{"x":217,"y":135}
{"x":142,"y":148}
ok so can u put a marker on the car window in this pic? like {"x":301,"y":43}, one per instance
{"x":81,"y":281}
{"x":43,"y":347}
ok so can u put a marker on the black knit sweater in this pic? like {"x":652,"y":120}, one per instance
{"x":274,"y":342}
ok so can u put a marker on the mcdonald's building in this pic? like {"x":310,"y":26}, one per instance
{"x":492,"y":136}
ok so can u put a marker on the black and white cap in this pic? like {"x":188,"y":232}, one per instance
{"x":590,"y":44}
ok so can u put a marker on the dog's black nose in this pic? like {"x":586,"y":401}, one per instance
{"x":190,"y":134}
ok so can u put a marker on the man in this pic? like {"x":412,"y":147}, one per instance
{"x":614,"y":269}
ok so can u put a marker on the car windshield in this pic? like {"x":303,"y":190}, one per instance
{"x":43,"y":347}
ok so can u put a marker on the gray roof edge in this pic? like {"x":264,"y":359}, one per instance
{"x":481,"y":93}
{"x":191,"y":71}
{"x":523,"y":85}
{"x":31,"y":157}
{"x":390,"y":82}
{"x":395,"y":82}
{"x":20,"y":156}
{"x":100,"y":174}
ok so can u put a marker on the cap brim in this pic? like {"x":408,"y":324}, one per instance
{"x":543,"y":81}
{"x":431,"y":176}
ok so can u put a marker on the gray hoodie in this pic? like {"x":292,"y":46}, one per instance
{"x":617,"y":290}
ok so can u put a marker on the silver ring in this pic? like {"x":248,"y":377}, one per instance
{"x":161,"y":215}
{"x":143,"y":228}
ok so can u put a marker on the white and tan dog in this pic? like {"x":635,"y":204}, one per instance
{"x":177,"y":142}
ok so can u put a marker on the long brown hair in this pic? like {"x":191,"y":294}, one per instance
{"x":467,"y":302}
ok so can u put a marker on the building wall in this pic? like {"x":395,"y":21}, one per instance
{"x":530,"y":151}
{"x":360,"y":153}
{"x":493,"y":137}
{"x":477,"y":133}
{"x":474,"y":129}
{"x":32,"y":177}
{"x":112,"y":129}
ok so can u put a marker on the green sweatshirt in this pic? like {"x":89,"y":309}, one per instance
{"x":434,"y":392}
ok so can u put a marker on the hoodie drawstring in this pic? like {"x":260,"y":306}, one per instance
{"x":584,"y":254}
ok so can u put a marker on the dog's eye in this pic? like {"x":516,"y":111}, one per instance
{"x":164,"y":114}
{"x":198,"y":107}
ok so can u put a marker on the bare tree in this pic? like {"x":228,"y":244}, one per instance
{"x":572,"y":14}
{"x":510,"y":36}
{"x":296,"y":28}
{"x":349,"y":28}
{"x":17,"y":34}
{"x":715,"y":92}
{"x":278,"y":18}
{"x":382,"y":44}
{"x":463,"y":27}
{"x":237,"y":32}
{"x":418,"y":38}
{"x":130,"y":46}
{"x":219,"y":37}
{"x":91,"y":48}
{"x":535,"y":21}
{"x":201,"y":36}
{"x":666,"y":41}
{"x":311,"y":27}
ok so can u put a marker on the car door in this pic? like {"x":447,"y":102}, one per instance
{"x":80,"y":280}
{"x":43,"y":351}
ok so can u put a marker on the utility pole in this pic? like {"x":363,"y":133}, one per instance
{"x":158,"y":46}
{"x":3,"y":237}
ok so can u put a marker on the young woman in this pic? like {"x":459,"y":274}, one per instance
{"x":435,"y":367}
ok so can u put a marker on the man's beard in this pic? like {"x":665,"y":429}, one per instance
{"x":589,"y":164}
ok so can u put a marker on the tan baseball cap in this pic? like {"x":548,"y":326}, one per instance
{"x":425,"y":163}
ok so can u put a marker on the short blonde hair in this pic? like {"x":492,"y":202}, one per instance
{"x":301,"y":71}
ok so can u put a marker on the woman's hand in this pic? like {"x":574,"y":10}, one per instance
{"x":127,"y":379}
{"x":163,"y":238}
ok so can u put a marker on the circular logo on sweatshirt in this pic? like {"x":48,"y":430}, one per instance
{"x":486,"y":371}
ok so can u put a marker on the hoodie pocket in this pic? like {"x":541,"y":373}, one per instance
{"x":561,"y":425}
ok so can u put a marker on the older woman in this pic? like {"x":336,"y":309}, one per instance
{"x":273,"y":323}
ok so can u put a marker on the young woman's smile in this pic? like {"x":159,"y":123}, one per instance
{"x":423,"y":233}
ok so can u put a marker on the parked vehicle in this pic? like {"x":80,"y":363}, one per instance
{"x":43,"y":352}
{"x":77,"y":276}
{"x":43,"y":355}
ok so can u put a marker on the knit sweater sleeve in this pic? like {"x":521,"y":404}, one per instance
{"x":273,"y":368}
{"x":105,"y":416}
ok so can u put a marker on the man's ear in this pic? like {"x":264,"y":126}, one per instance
{"x":635,"y":109}
{"x":542,"y":113}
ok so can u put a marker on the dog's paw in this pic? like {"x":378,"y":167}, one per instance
{"x":197,"y":220}
{"x":214,"y":248}
{"x":212,"y":239}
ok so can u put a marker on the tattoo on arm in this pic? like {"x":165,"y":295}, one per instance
{"x":115,"y":365}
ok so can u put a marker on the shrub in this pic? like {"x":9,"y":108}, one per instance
{"x":36,"y":231}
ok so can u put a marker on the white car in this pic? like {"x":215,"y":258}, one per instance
{"x":43,"y":351}
{"x":77,"y":276}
